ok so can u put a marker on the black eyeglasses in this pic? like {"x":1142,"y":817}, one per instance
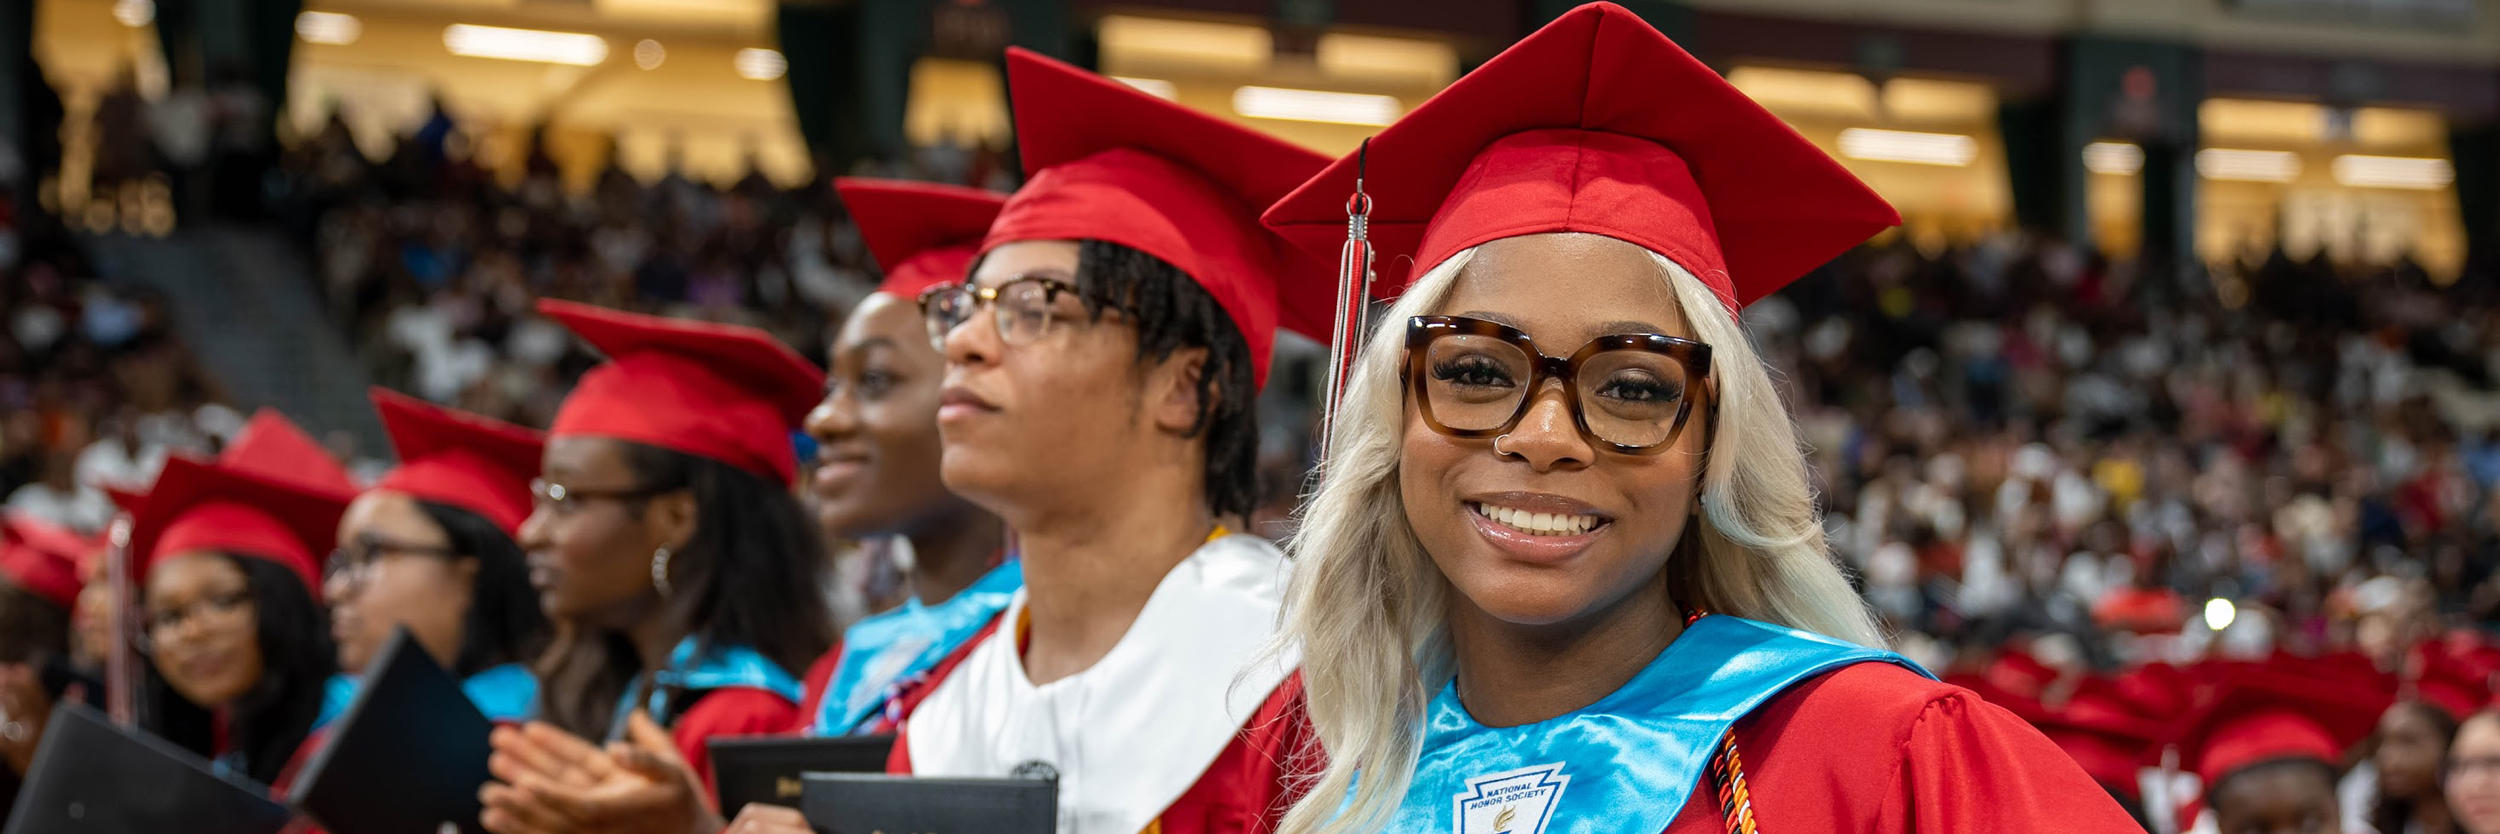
{"x":354,"y":563}
{"x":1630,"y":393}
{"x":1025,"y":308}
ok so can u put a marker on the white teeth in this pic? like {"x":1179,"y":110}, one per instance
{"x":1542,"y":524}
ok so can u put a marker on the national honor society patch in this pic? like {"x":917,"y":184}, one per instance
{"x":1514,"y":802}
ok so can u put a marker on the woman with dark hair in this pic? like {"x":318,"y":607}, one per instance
{"x":238,"y":661}
{"x":430,"y":548}
{"x":666,"y":536}
{"x":2413,"y":739}
{"x":878,"y":455}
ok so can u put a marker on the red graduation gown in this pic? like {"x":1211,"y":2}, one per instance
{"x":1249,"y":786}
{"x":728,"y":712}
{"x":1874,"y":747}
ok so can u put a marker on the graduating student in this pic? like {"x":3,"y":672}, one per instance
{"x":430,"y":548}
{"x":877,"y":468}
{"x":227,"y":554}
{"x":2267,"y":748}
{"x":1563,"y":572}
{"x":40,"y":582}
{"x":667,"y":539}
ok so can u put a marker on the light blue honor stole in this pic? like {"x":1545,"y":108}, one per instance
{"x":884,"y":653}
{"x":336,"y":694}
{"x":722,"y":667}
{"x":1623,"y":765}
{"x":506,"y":693}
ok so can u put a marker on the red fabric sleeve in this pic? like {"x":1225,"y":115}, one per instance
{"x":812,"y":693}
{"x":1250,"y":786}
{"x":1874,"y":747}
{"x":1971,"y":766}
{"x":727,"y":713}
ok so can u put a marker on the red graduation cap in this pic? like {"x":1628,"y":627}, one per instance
{"x":1596,"y":123}
{"x":457,"y":458}
{"x":922,"y":234}
{"x":718,"y":391}
{"x":2448,"y":680}
{"x":230,"y":509}
{"x":43,"y":557}
{"x":2103,"y":731}
{"x":2258,"y":715}
{"x":274,"y":447}
{"x":1114,"y":164}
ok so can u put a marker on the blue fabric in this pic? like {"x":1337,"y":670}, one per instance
{"x":506,"y":694}
{"x":719,"y":668}
{"x":883,"y":653}
{"x":1630,"y":761}
{"x":336,"y":694}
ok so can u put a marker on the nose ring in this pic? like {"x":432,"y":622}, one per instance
{"x":1497,"y":445}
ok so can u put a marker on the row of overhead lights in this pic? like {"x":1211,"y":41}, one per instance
{"x":2239,"y":165}
{"x":1291,"y":104}
{"x":474,"y":41}
{"x":2121,"y":158}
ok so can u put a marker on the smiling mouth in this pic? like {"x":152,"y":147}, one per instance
{"x":1536,"y":523}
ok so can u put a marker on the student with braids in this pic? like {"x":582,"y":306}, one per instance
{"x":1563,"y":571}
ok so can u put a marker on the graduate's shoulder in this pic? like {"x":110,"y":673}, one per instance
{"x":1865,"y":700}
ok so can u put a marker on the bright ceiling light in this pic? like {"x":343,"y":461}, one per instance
{"x":525,"y":45}
{"x":2248,"y":166}
{"x":648,"y":54}
{"x":1156,"y":87}
{"x":2118,"y":158}
{"x":760,"y":64}
{"x":1315,"y":106}
{"x":134,"y":13}
{"x":2393,"y":172}
{"x":1904,"y":146}
{"x":329,"y":28}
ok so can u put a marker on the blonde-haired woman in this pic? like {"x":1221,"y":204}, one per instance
{"x":1563,"y":572}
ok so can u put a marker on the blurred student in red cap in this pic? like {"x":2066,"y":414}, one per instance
{"x":2470,"y":775}
{"x":39,"y":562}
{"x":878,"y":454}
{"x":666,"y":538}
{"x":2267,"y":748}
{"x":2403,"y":793}
{"x":1563,"y":571}
{"x":227,"y":559}
{"x":430,"y":548}
{"x":2107,"y":734}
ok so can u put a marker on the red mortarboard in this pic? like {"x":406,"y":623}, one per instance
{"x":1114,"y":164}
{"x":921,"y":234}
{"x":273,"y":447}
{"x":43,"y":557}
{"x":2257,"y":716}
{"x":224,"y":508}
{"x":718,"y":391}
{"x":2446,"y":679}
{"x":2019,"y":673}
{"x":2102,"y":730}
{"x":461,"y":459}
{"x":2156,"y":689}
{"x":1596,"y":123}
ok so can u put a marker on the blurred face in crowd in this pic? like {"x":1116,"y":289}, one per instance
{"x":203,"y":628}
{"x":2473,"y":774}
{"x":2294,"y":796}
{"x":596,"y":531}
{"x":394,"y":568}
{"x":1557,"y":529}
{"x":2412,"y":744}
{"x":92,"y":638}
{"x":878,"y":449}
{"x":1029,"y":424}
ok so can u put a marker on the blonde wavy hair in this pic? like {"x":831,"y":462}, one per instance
{"x":1367,"y":605}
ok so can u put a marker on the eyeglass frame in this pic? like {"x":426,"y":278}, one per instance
{"x":375,"y":547}
{"x":982,"y":297}
{"x":232,"y":603}
{"x":1422,"y":331}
